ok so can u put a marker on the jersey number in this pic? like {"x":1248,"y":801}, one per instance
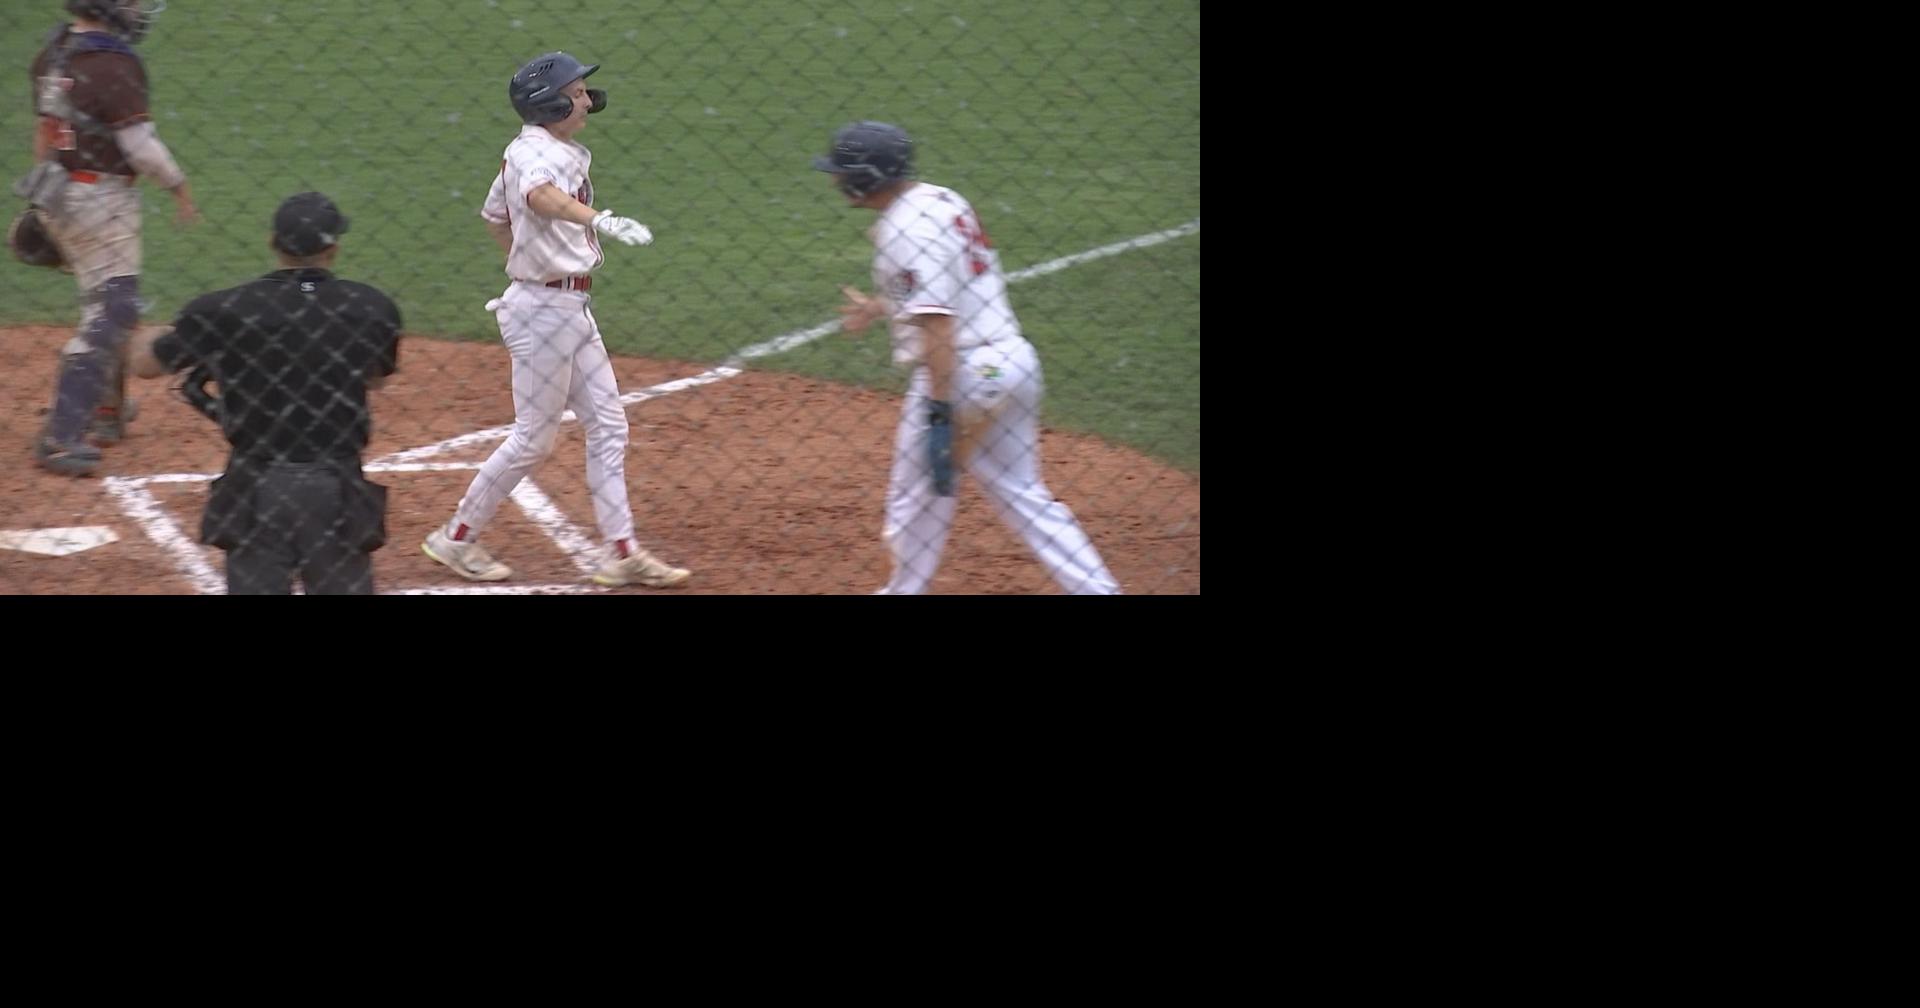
{"x":977,"y":242}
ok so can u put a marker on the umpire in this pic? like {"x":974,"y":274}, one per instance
{"x":293,"y":353}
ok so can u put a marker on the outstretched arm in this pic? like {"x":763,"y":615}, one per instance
{"x":549,"y":201}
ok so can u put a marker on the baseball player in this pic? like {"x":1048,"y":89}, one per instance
{"x":540,"y":210}
{"x":974,"y":398}
{"x":93,"y":138}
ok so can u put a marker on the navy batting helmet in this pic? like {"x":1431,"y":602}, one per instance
{"x":537,"y":89}
{"x":129,"y":19}
{"x":869,"y":154}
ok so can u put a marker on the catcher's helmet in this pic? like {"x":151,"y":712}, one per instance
{"x":869,"y":155}
{"x":129,"y":19}
{"x":537,"y":89}
{"x":31,"y":244}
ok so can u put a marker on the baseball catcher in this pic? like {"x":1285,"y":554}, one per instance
{"x":94,"y":143}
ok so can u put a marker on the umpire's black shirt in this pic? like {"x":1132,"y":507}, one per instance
{"x":291,"y":352}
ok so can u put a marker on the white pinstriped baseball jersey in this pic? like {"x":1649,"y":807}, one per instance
{"x":931,"y":257}
{"x":543,"y":248}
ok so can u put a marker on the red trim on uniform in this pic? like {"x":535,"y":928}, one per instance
{"x":460,"y":534}
{"x":620,"y":547}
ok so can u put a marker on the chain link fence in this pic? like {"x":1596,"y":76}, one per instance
{"x":761,"y":437}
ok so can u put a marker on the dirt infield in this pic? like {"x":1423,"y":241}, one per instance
{"x":762,"y":483}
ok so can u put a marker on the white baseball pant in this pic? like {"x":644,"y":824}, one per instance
{"x":559,"y":362}
{"x":997,"y":390}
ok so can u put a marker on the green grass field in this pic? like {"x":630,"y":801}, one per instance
{"x":1068,"y":125}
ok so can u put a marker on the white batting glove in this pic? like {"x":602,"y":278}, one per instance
{"x":624,"y":229}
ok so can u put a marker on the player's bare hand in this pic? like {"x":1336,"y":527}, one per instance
{"x":186,"y":213}
{"x":140,"y":357}
{"x":859,"y":310}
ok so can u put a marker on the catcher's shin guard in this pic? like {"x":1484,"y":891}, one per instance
{"x":110,"y":418}
{"x":75,"y":394}
{"x":91,"y":363}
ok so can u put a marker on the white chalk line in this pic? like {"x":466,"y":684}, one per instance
{"x":543,"y":512}
{"x":140,"y":505}
{"x":144,"y":508}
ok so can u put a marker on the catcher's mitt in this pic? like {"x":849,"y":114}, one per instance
{"x":31,"y":244}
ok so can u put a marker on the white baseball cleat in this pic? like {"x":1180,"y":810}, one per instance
{"x":470,"y":560}
{"x":639,"y":567}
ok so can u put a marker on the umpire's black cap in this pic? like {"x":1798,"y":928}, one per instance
{"x":307,"y":223}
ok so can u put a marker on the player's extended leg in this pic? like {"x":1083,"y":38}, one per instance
{"x":89,"y":366}
{"x":917,"y":519}
{"x":98,"y":230}
{"x":1003,"y":388}
{"x":542,"y":341}
{"x":595,"y":399}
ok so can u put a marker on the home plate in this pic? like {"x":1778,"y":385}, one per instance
{"x":58,"y":541}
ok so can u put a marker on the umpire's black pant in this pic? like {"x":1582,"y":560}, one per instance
{"x":299,"y":514}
